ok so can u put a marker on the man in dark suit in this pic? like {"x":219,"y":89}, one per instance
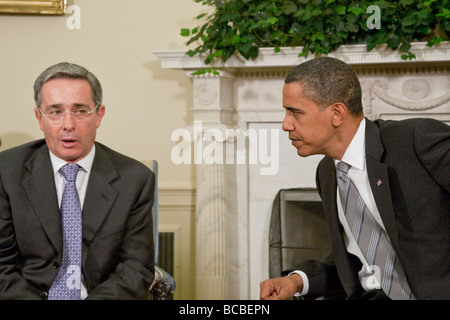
{"x":115,"y":193}
{"x":401,"y":170}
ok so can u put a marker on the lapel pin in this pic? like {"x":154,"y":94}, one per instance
{"x":379,"y":183}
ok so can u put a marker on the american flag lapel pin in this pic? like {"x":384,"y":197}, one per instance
{"x":379,"y":182}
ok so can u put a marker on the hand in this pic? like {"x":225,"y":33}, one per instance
{"x":280,"y":288}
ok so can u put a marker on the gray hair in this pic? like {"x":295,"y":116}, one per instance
{"x":66,"y":70}
{"x":327,"y":80}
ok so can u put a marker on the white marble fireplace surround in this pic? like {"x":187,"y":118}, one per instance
{"x":234,"y":201}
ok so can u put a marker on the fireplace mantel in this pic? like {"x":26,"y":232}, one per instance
{"x":234,"y":200}
{"x":288,"y":57}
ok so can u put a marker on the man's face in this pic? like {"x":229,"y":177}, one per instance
{"x":310,"y":128}
{"x":69,"y":139}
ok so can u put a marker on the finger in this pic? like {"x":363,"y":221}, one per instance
{"x":267,"y":290}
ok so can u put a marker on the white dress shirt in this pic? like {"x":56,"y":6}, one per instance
{"x":81,"y":183}
{"x":356,"y":157}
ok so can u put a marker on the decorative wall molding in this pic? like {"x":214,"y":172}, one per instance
{"x":414,"y":89}
{"x":267,"y":58}
{"x":177,"y":199}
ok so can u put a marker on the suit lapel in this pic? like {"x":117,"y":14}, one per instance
{"x":379,"y":180}
{"x":39,"y":185}
{"x":328,"y":186}
{"x":100,"y":195}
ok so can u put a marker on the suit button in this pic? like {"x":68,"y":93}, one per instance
{"x":44,"y":295}
{"x":56,"y":265}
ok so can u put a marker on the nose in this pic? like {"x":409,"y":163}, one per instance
{"x":68,"y":121}
{"x":287,"y":124}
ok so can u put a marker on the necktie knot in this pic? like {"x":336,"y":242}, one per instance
{"x":341,"y":173}
{"x":70,"y":171}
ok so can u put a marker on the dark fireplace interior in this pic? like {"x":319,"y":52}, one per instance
{"x":297,"y":230}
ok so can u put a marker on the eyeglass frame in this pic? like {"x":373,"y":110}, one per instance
{"x":71,"y":112}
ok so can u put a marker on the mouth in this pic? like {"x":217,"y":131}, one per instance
{"x":69,"y":142}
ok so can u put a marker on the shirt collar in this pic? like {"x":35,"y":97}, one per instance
{"x":85,"y":163}
{"x":355,"y":153}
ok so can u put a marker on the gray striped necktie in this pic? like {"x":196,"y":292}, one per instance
{"x":371,"y":238}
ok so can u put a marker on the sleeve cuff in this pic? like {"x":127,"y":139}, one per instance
{"x":305,"y":283}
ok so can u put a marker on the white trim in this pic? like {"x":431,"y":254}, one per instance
{"x":287,"y":57}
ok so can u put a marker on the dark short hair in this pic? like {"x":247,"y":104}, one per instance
{"x":327,"y":80}
{"x":66,"y":70}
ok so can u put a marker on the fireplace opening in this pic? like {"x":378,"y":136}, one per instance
{"x":297,"y":230}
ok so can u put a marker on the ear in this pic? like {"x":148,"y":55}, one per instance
{"x":100,"y":113}
{"x":38,"y":115}
{"x":339,"y":114}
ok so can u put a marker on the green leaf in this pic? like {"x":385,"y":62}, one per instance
{"x":199,"y":17}
{"x":276,"y":35}
{"x":429,"y":3}
{"x":408,"y":56}
{"x":199,"y":72}
{"x":409,"y":20}
{"x":235,"y":39}
{"x":295,"y":28}
{"x":316,"y":12}
{"x":272,"y":20}
{"x":290,"y":9}
{"x":422,"y":14}
{"x":185,"y":32}
{"x":191,"y":53}
{"x":445,"y":13}
{"x":406,"y":2}
{"x":341,"y":10}
{"x":318,"y":36}
{"x":306,"y":16}
{"x":244,"y":48}
{"x":355,"y":10}
{"x":405,"y":47}
{"x":434,"y":41}
{"x":393,"y":41}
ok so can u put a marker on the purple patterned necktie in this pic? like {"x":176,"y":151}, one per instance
{"x":67,"y":284}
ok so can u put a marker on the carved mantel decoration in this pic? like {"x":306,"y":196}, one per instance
{"x":234,"y":201}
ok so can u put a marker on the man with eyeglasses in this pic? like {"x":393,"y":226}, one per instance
{"x":75,"y":216}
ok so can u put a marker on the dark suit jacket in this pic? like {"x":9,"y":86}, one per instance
{"x":411,"y":158}
{"x":118,"y":253}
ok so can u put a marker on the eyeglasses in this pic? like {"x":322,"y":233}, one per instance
{"x":80,"y":115}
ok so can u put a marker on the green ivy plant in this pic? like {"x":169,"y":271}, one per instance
{"x":318,"y":26}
